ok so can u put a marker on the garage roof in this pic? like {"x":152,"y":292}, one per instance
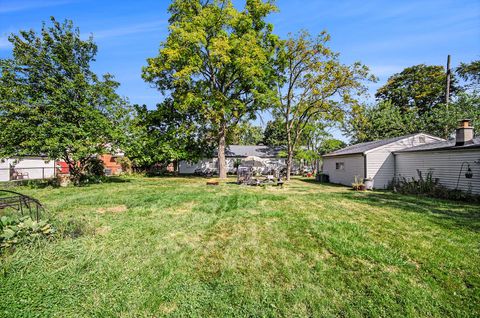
{"x":363,"y":147}
{"x":442,"y":145}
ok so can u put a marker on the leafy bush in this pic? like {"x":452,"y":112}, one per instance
{"x":95,"y":167}
{"x":15,"y":231}
{"x":430,"y":186}
{"x":358,"y":185}
{"x":127,"y":166}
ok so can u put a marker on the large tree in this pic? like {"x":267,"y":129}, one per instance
{"x":275,"y":134}
{"x":217,"y":60}
{"x":414,"y":101}
{"x":52,"y":103}
{"x":245,"y":134}
{"x":165,"y":134}
{"x":470,"y":73}
{"x":385,"y":120}
{"x":316,"y":141}
{"x":382,"y":120}
{"x":315,"y":86}
{"x":419,"y":88}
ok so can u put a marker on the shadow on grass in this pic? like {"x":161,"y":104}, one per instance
{"x":315,"y":182}
{"x":446,"y":213}
{"x":175,"y":176}
{"x":115,"y":179}
{"x":29,"y":183}
{"x":443,"y":212}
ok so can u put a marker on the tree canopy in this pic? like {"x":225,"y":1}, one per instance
{"x":245,"y":134}
{"x":314,"y":86}
{"x":419,"y":88}
{"x":470,"y":72}
{"x":165,"y":134}
{"x":52,"y":103}
{"x":217,"y":60}
{"x":275,"y":133}
{"x":414,"y":101}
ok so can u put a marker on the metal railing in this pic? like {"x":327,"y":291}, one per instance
{"x":27,"y":173}
{"x":21,"y":203}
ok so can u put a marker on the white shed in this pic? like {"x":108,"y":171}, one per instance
{"x":22,"y":168}
{"x":372,"y":159}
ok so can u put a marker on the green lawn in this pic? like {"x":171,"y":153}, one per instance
{"x":153,"y":247}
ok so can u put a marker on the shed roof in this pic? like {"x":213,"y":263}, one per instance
{"x":258,"y":151}
{"x":442,"y":145}
{"x":363,"y":147}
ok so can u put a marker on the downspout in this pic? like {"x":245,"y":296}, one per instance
{"x":364,"y":165}
{"x":394,"y":172}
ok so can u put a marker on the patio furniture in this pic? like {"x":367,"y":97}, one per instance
{"x":280,"y":182}
{"x":244,"y":175}
{"x":19,"y":175}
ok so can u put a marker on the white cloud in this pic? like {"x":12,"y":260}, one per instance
{"x":23,"y":5}
{"x":130,"y":29}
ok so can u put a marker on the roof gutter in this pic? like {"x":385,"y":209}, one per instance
{"x":343,"y":155}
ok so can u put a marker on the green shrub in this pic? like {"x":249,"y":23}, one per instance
{"x":430,"y":186}
{"x":127,"y":166}
{"x":14,"y":230}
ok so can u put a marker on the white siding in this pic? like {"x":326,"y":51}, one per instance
{"x":186,"y":167}
{"x":445,"y":166}
{"x":33,"y":168}
{"x":189,"y":167}
{"x":4,"y":170}
{"x":353,"y":166}
{"x":380,"y":163}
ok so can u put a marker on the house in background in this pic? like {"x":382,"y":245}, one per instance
{"x":112,"y":164}
{"x":269,"y":155}
{"x":372,"y":159}
{"x":455,"y":163}
{"x":26,"y":168}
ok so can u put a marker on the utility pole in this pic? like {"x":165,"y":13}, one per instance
{"x":447,"y":92}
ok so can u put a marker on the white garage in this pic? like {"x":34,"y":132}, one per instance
{"x":372,"y":159}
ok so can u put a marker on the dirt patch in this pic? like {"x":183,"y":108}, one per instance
{"x":102,"y":230}
{"x":182,"y":208}
{"x":168,"y":308}
{"x":113,"y":209}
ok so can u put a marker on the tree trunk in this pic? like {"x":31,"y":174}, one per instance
{"x":289,"y":162}
{"x":222,"y":171}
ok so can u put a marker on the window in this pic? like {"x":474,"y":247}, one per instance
{"x":340,"y":166}
{"x":421,"y":139}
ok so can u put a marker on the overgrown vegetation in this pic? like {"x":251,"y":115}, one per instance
{"x":21,"y":230}
{"x":154,"y":247}
{"x":430,"y":186}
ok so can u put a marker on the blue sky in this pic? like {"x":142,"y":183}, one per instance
{"x":385,"y":35}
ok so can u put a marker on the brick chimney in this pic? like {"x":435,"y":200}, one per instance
{"x":464,"y":133}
